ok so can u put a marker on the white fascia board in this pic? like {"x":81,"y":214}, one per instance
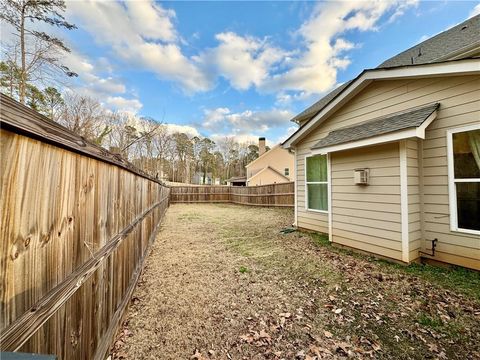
{"x":459,"y":67}
{"x":346,"y":95}
{"x":421,"y":129}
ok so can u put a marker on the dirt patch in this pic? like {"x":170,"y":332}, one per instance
{"x":222,"y":282}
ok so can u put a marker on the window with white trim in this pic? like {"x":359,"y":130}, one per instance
{"x":286,"y":171}
{"x":316,"y":180}
{"x":464,"y":178}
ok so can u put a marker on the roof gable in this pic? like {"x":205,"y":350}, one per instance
{"x":265,"y":154}
{"x":271,"y":169}
{"x":448,"y":68}
{"x":458,"y":42}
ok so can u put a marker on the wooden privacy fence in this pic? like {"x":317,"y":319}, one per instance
{"x":76,"y":225}
{"x":281,"y":195}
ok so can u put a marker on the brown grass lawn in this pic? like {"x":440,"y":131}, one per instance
{"x":222,"y":282}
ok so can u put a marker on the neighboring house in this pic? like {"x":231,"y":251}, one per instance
{"x":272,"y":166}
{"x":389,"y":163}
{"x":237,"y":181}
{"x":198,"y":179}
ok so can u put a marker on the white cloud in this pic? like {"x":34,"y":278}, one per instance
{"x":475,"y":11}
{"x":242,"y":139}
{"x":143,"y":35}
{"x":124,"y":104}
{"x":92,"y":82}
{"x":95,"y":76}
{"x":187,"y":129}
{"x":289,"y":131}
{"x":315,"y":70}
{"x":222,"y":120}
{"x":322,"y":50}
{"x":244,"y":60}
{"x":151,"y":20}
{"x":214,"y":118}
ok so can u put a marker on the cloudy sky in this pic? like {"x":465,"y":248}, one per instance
{"x":243,"y":69}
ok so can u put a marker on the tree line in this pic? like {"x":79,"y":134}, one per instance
{"x":31,"y":72}
{"x":147,"y":143}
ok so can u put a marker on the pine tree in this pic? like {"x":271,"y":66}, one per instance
{"x":19,"y":13}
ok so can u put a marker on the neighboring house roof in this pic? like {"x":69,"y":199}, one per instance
{"x":237,"y":179}
{"x":446,"y":68}
{"x":459,"y":41}
{"x":268,"y":152}
{"x":384,"y":125}
{"x":271,"y":169}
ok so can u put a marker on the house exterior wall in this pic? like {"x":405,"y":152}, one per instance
{"x":462,"y":108}
{"x":428,"y":207}
{"x":267,"y":176}
{"x":278,"y":158}
{"x":367,"y":217}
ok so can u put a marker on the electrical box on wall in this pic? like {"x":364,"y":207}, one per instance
{"x":360,"y":176}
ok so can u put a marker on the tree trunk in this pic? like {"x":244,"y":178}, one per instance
{"x":23,"y":77}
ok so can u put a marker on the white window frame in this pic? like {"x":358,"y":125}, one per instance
{"x":317,"y":182}
{"x":452,"y":188}
{"x":286,"y":171}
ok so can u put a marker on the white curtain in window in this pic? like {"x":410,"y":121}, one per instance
{"x":474,"y":141}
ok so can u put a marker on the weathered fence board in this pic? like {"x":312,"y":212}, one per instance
{"x":281,"y":195}
{"x":76,"y":224}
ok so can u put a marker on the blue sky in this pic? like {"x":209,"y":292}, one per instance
{"x":238,"y":68}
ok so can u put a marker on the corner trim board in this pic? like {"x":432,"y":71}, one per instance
{"x":404,"y":200}
{"x":329,"y":189}
{"x":295,"y":189}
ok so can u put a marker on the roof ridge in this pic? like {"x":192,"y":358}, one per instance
{"x":450,"y":30}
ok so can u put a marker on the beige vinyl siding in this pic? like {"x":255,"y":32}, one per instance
{"x":266,"y":176}
{"x":458,"y":111}
{"x":278,"y":158}
{"x":459,"y":98}
{"x":370,"y":219}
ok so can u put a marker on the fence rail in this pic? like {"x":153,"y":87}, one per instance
{"x":76,"y":225}
{"x":281,"y":195}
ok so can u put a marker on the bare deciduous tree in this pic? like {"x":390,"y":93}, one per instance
{"x":84,"y":116}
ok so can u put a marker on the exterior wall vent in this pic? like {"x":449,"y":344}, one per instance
{"x":361,"y":176}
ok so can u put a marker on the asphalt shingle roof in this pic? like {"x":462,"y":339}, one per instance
{"x":440,"y":46}
{"x":380,"y":126}
{"x":435,"y":49}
